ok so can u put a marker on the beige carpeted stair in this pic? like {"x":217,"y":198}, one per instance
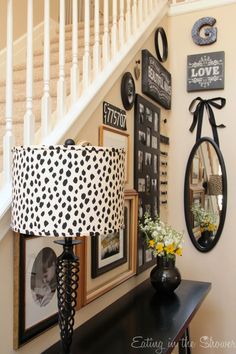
{"x":19,"y":78}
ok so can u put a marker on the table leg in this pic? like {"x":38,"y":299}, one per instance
{"x":184,"y":343}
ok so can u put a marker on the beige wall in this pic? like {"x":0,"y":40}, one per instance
{"x":217,"y":318}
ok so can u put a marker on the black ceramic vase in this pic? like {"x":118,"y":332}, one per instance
{"x":165,"y":277}
{"x":206,"y":238}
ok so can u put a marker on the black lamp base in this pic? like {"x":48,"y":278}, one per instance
{"x":67,"y":285}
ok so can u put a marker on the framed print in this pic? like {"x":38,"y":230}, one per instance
{"x":113,"y":138}
{"x":109,"y":251}
{"x":146,"y":167}
{"x":35,"y":299}
{"x":116,"y":271}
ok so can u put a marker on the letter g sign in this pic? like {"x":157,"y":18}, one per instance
{"x":210,"y":33}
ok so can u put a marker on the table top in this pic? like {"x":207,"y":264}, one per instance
{"x":139,"y":320}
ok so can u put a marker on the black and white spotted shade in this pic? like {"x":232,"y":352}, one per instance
{"x":67,"y":191}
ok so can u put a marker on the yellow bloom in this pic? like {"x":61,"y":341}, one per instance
{"x":179,"y":251}
{"x":159,"y":247}
{"x":170,"y":249}
{"x":151,"y":243}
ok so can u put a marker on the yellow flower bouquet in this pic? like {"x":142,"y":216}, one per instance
{"x":205,"y":219}
{"x":162,"y":239}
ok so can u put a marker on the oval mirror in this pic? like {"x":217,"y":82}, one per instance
{"x":205,"y":194}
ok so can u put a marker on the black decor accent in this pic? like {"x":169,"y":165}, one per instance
{"x":197,"y":107}
{"x":161,"y":56}
{"x":156,"y":80}
{"x":67,"y":285}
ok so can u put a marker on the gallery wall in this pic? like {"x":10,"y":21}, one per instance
{"x":90,"y":133}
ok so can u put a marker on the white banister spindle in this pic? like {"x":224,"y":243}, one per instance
{"x":128,"y":19}
{"x":140,"y":12}
{"x":121,"y":24}
{"x":105,"y":39}
{"x":8,"y":140}
{"x":96,"y":47}
{"x":134,"y":16}
{"x":114,"y":32}
{"x":46,"y":99}
{"x":29,"y":116}
{"x":74,"y":68}
{"x":86,"y":57}
{"x":61,"y":92}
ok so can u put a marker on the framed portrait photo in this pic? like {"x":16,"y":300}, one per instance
{"x":118,"y":139}
{"x":35,"y":298}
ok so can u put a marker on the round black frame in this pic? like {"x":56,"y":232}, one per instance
{"x":161,"y":58}
{"x":187,"y":197}
{"x":125,"y":90}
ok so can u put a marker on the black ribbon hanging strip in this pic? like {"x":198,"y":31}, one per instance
{"x":197,"y":107}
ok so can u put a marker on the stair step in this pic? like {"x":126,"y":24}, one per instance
{"x":19,"y":111}
{"x":20,"y":75}
{"x":19,"y":90}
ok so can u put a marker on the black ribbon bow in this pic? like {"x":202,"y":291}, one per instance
{"x":197,"y":109}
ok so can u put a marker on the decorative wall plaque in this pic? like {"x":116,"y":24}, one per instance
{"x":210,"y":33}
{"x":114,"y":116}
{"x":156,"y":80}
{"x":205,"y":71}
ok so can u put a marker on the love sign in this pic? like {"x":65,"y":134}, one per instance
{"x":205,"y":71}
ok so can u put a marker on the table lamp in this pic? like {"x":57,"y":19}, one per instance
{"x":66,"y":191}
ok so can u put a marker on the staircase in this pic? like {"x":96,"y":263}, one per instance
{"x":51,"y":95}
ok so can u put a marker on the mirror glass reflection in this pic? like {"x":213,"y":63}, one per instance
{"x":204,"y":185}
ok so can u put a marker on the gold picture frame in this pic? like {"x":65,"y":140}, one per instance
{"x":111,"y":137}
{"x":94,"y":288}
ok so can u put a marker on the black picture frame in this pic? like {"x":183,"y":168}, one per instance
{"x":30,"y":321}
{"x":156,"y":80}
{"x":127,"y":90}
{"x":97,"y":268}
{"x":160,"y":33}
{"x":146,"y":169}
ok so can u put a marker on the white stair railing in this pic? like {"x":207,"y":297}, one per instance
{"x":74,"y":67}
{"x":29,"y":116}
{"x":61,"y":90}
{"x":111,"y":23}
{"x":8,"y":140}
{"x":46,"y":98}
{"x":86,"y":57}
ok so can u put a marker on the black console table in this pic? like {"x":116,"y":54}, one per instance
{"x":141,"y":322}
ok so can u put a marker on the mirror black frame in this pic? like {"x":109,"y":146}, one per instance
{"x":187,"y":195}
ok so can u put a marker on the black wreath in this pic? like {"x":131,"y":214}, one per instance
{"x":160,"y":57}
{"x":127,"y":91}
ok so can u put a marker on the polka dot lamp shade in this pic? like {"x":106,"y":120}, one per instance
{"x":67,"y":190}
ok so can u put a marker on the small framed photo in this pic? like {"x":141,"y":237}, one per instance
{"x":148,"y":141}
{"x":155,"y":164}
{"x":118,"y":139}
{"x":140,"y":160}
{"x":141,"y":113}
{"x":109,"y":251}
{"x":142,"y":137}
{"x":149,"y":114}
{"x":154,"y":142}
{"x":148,"y":159}
{"x":141,"y":185}
{"x":148,"y":184}
{"x":156,"y":121}
{"x":35,"y":295}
